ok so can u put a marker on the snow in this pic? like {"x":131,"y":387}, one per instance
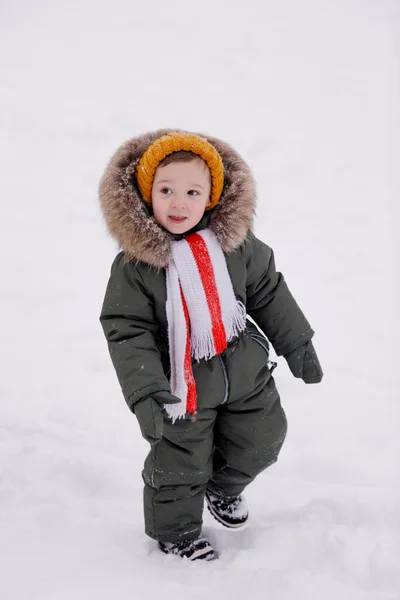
{"x":307,"y":92}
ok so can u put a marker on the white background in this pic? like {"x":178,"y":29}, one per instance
{"x":308,"y":93}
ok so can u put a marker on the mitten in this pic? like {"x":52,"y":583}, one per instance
{"x":304,"y":363}
{"x":149,"y":413}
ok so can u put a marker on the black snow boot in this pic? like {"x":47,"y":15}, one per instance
{"x":231,"y":512}
{"x":191,"y":549}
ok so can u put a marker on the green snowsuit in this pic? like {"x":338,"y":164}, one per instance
{"x":240,"y":425}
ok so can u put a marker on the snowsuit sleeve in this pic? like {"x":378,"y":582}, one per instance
{"x":130,"y":326}
{"x":270,"y":303}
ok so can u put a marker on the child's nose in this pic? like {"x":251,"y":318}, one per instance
{"x":179,"y":201}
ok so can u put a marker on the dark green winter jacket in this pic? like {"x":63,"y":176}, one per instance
{"x":133,"y":314}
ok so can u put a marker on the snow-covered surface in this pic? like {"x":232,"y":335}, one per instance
{"x":306,"y":92}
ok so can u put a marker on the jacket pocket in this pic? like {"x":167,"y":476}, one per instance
{"x":263,"y":342}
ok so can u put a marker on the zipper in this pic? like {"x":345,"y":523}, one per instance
{"x":225,"y":373}
{"x":261,"y":341}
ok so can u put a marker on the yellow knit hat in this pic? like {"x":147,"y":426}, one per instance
{"x":174,"y":142}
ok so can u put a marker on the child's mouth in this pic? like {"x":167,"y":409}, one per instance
{"x":177,"y":219}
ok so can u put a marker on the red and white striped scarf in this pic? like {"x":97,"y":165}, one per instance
{"x":202,"y":311}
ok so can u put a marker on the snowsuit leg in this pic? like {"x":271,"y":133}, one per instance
{"x":251,"y":426}
{"x":177,"y":469}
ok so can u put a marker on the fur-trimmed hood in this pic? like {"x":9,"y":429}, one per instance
{"x":131,"y":224}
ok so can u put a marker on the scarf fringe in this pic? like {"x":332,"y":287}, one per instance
{"x":236,"y":323}
{"x":202,"y":345}
{"x":202,"y":342}
{"x":176,"y":411}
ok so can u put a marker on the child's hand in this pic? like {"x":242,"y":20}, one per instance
{"x":304,"y":363}
{"x":149,"y":413}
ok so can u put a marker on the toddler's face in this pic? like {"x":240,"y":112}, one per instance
{"x":180,"y":194}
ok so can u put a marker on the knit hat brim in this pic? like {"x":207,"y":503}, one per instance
{"x":175,"y":142}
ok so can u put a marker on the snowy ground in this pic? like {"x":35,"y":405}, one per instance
{"x":306,"y":92}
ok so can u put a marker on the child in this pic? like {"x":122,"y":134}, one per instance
{"x":193,"y":369}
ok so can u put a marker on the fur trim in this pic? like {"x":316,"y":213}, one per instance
{"x":139,"y":235}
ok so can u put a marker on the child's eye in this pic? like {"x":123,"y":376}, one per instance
{"x":165,"y":191}
{"x":193,"y":193}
